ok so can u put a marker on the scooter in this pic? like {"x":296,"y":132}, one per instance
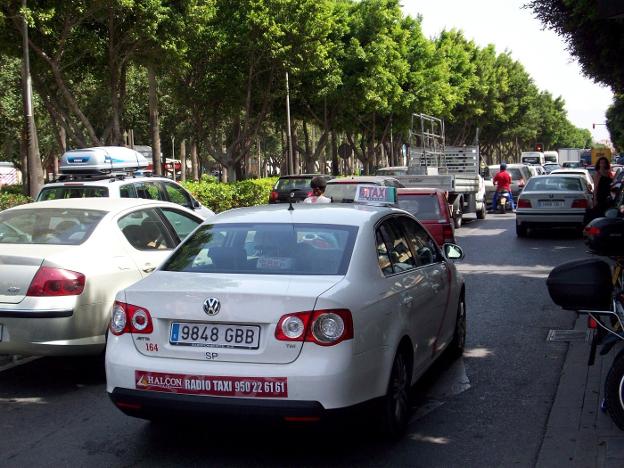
{"x":504,"y":199}
{"x":595,"y":288}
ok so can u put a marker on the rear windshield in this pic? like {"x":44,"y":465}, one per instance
{"x":391,"y":172}
{"x":342,"y":192}
{"x":286,"y":185}
{"x":421,"y":206}
{"x":48,"y":226}
{"x":72,"y":191}
{"x":266,"y":249}
{"x":554,"y":183}
{"x":513,"y":172}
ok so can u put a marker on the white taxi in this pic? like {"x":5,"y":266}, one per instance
{"x":296,"y":313}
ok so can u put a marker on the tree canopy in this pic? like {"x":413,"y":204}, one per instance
{"x":357,"y":71}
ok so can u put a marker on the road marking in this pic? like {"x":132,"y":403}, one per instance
{"x":449,"y":384}
{"x":18,"y":362}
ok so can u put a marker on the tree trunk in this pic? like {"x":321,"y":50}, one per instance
{"x":154,"y":123}
{"x":113,"y":64}
{"x":183,"y":160}
{"x":194,"y":161}
{"x":334,"y":154}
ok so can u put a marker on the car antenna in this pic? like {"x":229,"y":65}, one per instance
{"x":290,"y":199}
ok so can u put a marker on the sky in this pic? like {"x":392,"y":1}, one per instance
{"x":508,"y":26}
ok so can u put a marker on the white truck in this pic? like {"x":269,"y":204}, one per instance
{"x":570,"y":155}
{"x":454,"y":169}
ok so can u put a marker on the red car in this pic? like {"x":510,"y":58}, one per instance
{"x":430,"y":206}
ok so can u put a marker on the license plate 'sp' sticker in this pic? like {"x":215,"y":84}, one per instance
{"x":247,"y":387}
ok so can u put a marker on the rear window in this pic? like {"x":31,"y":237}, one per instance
{"x":48,"y":226}
{"x":286,"y":185}
{"x":266,"y":249}
{"x":421,"y":206}
{"x":515,"y":173}
{"x":341,"y":192}
{"x":554,"y":184}
{"x":72,"y":191}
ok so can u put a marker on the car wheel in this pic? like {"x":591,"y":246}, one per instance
{"x":395,"y":407}
{"x":457,"y":345}
{"x":521,"y":231}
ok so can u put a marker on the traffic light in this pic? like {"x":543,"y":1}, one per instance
{"x":539,"y":147}
{"x":594,"y":126}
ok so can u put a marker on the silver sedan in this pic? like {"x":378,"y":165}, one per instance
{"x":552,"y":201}
{"x":62,"y":261}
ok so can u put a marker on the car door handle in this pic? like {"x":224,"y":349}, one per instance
{"x":148,"y":268}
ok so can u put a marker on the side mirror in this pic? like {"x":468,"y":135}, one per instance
{"x":453,"y":251}
{"x":196,"y":204}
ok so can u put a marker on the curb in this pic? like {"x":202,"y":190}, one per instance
{"x":578,"y":433}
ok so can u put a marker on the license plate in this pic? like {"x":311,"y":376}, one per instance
{"x":551,"y":203}
{"x":215,"y":335}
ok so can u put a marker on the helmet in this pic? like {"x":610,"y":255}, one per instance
{"x":503,"y":166}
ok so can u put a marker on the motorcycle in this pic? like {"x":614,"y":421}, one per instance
{"x":595,"y":288}
{"x":504,"y":201}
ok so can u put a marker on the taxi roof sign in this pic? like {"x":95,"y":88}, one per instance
{"x":375,"y":194}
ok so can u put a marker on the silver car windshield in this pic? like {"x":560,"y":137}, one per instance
{"x":266,"y":249}
{"x":48,"y":226}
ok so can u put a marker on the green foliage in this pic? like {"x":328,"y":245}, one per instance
{"x":615,"y":122}
{"x":225,"y":196}
{"x":9,"y":199}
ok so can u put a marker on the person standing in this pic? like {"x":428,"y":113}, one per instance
{"x":602,"y":187}
{"x":317,"y":184}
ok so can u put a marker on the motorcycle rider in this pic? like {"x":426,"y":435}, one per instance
{"x":502,"y":181}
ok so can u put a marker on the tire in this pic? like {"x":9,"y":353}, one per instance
{"x":395,"y":408}
{"x":458,"y":343}
{"x":457,"y":213}
{"x":482,"y":212}
{"x":521,"y":231}
{"x":614,"y":388}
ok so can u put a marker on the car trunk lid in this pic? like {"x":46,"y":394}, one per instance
{"x":227,"y":317}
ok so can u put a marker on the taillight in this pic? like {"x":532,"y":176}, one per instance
{"x":50,"y":281}
{"x":128,"y":318}
{"x":521,"y":183}
{"x":579,"y":203}
{"x":591,"y":322}
{"x":310,"y":194}
{"x":322,"y":327}
{"x":274,"y":195}
{"x":592,"y":231}
{"x":447,"y":233}
{"x":524,"y":203}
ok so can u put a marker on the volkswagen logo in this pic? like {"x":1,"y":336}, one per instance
{"x":212,"y":306}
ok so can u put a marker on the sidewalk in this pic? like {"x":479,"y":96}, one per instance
{"x":578,"y":433}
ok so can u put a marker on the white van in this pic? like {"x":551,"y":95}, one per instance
{"x":532,"y":157}
{"x":551,"y":157}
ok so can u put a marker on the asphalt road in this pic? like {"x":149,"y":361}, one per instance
{"x":487,"y":409}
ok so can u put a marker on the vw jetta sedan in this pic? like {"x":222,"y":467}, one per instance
{"x":62,"y":262}
{"x":295,"y":314}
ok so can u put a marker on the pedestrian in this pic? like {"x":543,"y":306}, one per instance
{"x":602,"y":187}
{"x":317,"y":184}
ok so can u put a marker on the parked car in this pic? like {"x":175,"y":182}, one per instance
{"x":431,"y":208}
{"x":578,"y":171}
{"x":122,"y":186}
{"x":64,"y":260}
{"x":553,"y":201}
{"x":297,"y":185}
{"x":342,"y":190}
{"x":519,"y":173}
{"x":253,"y":316}
{"x":571,"y":165}
{"x":391,"y":171}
